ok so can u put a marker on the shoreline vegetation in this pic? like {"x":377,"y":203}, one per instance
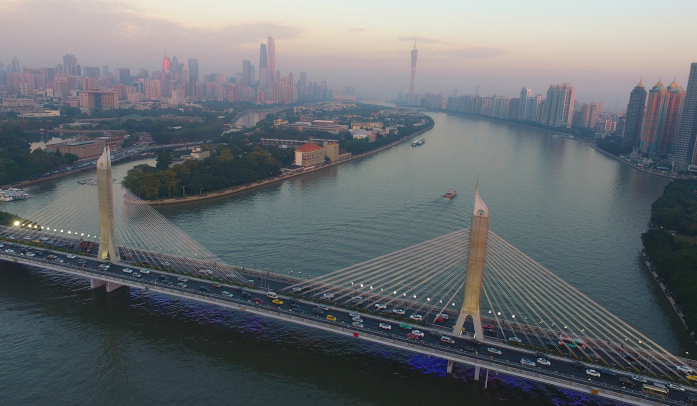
{"x":670,"y":248}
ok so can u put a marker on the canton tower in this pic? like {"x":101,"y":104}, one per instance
{"x":414,"y":53}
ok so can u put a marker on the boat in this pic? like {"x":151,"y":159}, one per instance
{"x":450,"y":194}
{"x":418,"y":142}
{"x":12,"y":194}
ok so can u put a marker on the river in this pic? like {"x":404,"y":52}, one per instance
{"x":565,"y":205}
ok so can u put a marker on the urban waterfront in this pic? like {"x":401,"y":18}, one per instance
{"x":567,"y":206}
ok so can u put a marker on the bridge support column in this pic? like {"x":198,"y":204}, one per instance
{"x":96,"y":283}
{"x":486,"y":380}
{"x":450,"y":366}
{"x":111,"y":286}
{"x":476,"y":373}
{"x":105,"y":188}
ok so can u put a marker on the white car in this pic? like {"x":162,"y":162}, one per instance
{"x":398,"y":311}
{"x":354,"y":314}
{"x":182,"y":279}
{"x":181,"y":284}
{"x":297,"y":289}
{"x":323,"y":307}
{"x":356,"y":299}
{"x":592,"y":372}
{"x":357,"y":324}
{"x":385,"y":326}
{"x":328,"y":296}
{"x":10,"y":251}
{"x":526,"y":362}
{"x":447,"y":339}
{"x":357,"y":319}
{"x":660,"y":385}
{"x":492,"y":350}
{"x":128,"y":270}
{"x":544,"y":362}
{"x":380,"y":306}
{"x":145,"y":271}
{"x":226,"y":293}
{"x":418,"y":333}
{"x":30,"y":254}
{"x":137,"y":275}
{"x":442,"y":316}
{"x":676,"y":387}
{"x":416,"y":317}
{"x":685,"y":369}
{"x":71,"y":256}
{"x":165,"y":264}
{"x":515,"y":339}
{"x":639,"y":379}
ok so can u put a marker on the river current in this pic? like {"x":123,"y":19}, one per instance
{"x":564,"y":204}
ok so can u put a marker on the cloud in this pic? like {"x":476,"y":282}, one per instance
{"x":356,"y":29}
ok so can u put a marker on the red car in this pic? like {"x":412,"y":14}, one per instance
{"x":440,"y":320}
{"x":258,"y":301}
{"x":412,"y":336}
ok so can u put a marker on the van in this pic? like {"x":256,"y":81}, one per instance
{"x":272,"y":295}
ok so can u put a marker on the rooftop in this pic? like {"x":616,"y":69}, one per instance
{"x":309,"y":147}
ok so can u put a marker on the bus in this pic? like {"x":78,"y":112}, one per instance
{"x":571,"y":342}
{"x":655,"y":391}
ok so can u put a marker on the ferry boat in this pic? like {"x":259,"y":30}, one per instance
{"x":450,"y":194}
{"x":418,"y":142}
{"x":12,"y":194}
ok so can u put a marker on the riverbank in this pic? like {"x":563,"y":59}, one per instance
{"x":665,"y":175}
{"x":226,"y":192}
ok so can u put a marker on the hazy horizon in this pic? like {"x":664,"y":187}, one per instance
{"x":601,"y":48}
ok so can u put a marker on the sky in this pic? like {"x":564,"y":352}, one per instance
{"x":602,"y":47}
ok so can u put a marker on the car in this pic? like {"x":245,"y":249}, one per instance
{"x":204,"y":289}
{"x":405,"y":326}
{"x":36,"y":241}
{"x":145,"y":271}
{"x":181,"y":284}
{"x":206,"y":272}
{"x":526,"y":362}
{"x":293,"y":301}
{"x":44,"y":238}
{"x":492,"y":350}
{"x":328,"y":296}
{"x":627,"y":381}
{"x":357,"y":324}
{"x":277,"y":302}
{"x":398,"y":311}
{"x":385,"y":326}
{"x":296,"y":309}
{"x":607,"y":372}
{"x":71,"y":256}
{"x":356,"y":299}
{"x":216,"y":285}
{"x":317,"y":311}
{"x":297,"y":289}
{"x":358,"y":319}
{"x":691,"y":377}
{"x":52,"y":257}
{"x":579,"y":365}
{"x":515,"y":339}
{"x":323,"y":307}
{"x":412,"y":336}
{"x":163,"y":277}
{"x":165,"y":263}
{"x":244,"y":293}
{"x":659,"y":385}
{"x":439,"y":320}
{"x":354,"y":314}
{"x":182,"y":279}
{"x":127,"y":270}
{"x":550,"y":344}
{"x":684,"y":368}
{"x":380,"y":306}
{"x":675,"y":386}
{"x":448,"y":340}
{"x":30,"y":254}
{"x":416,"y":317}
{"x":258,"y":301}
{"x":417,"y":333}
{"x":592,"y":372}
{"x":544,"y":361}
{"x":10,"y":251}
{"x":226,"y":293}
{"x":331,"y":318}
{"x":27,"y":238}
{"x":442,"y":316}
{"x":639,"y":378}
{"x":137,"y":275}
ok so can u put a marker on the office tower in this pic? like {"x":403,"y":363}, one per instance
{"x":455,"y":92}
{"x":685,"y":141}
{"x":69,"y":60}
{"x":270,"y":60}
{"x":105,"y":70}
{"x":193,"y":68}
{"x":412,"y":85}
{"x":245,"y":72}
{"x":303,"y":79}
{"x":262,"y":78}
{"x":558,"y":107}
{"x":165,"y":64}
{"x":123,"y":76}
{"x":635,"y":116}
{"x":15,"y":65}
{"x":522,"y":104}
{"x":174,"y":65}
{"x":262,"y":66}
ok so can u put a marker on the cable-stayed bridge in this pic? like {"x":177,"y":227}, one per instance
{"x":468,"y":296}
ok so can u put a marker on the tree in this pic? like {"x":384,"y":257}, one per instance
{"x":163,"y":161}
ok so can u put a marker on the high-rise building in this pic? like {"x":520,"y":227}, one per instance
{"x":687,"y":132}
{"x":522,"y":103}
{"x":105,"y":70}
{"x":270,"y":60}
{"x":123,"y":76}
{"x":246,"y":66}
{"x":532,"y":108}
{"x":262,"y":65}
{"x":303,"y":79}
{"x":674,"y":106}
{"x":174,"y":65}
{"x":653,"y":119}
{"x":558,"y":108}
{"x":412,"y":85}
{"x":15,"y":65}
{"x":635,"y":116}
{"x":193,"y":68}
{"x":165,"y":64}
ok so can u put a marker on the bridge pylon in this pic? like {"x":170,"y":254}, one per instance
{"x":475,"y":269}
{"x":105,"y":186}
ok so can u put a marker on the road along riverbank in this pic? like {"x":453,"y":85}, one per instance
{"x":225,"y":192}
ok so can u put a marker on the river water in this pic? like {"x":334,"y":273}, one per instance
{"x":567,"y":206}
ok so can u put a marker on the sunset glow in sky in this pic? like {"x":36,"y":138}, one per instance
{"x":602,"y":47}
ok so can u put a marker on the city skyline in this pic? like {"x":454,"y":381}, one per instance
{"x":367,"y":57}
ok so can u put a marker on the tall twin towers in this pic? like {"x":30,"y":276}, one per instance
{"x":267,"y":63}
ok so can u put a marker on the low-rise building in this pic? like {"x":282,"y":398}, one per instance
{"x":331,"y":150}
{"x":309,"y":154}
{"x":83,"y":149}
{"x":92,"y":99}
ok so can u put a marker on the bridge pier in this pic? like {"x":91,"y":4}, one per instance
{"x":486,"y":380}
{"x":450,"y":366}
{"x":112,"y":286}
{"x":476,"y":373}
{"x":96,"y":283}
